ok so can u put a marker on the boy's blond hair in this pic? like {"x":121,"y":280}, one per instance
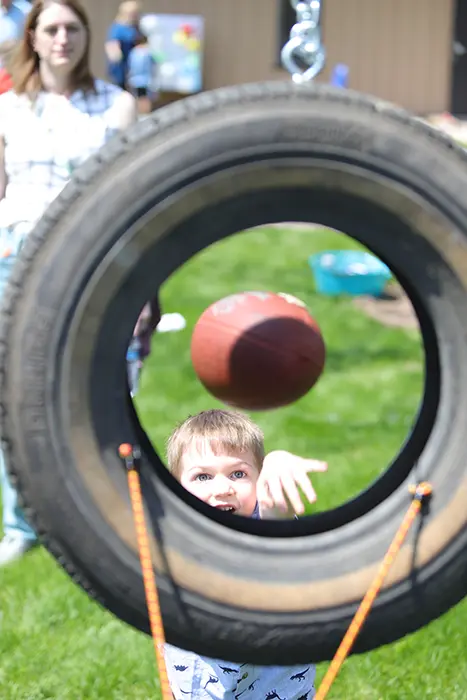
{"x":226,"y":432}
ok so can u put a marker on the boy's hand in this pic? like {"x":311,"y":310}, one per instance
{"x":282,"y":473}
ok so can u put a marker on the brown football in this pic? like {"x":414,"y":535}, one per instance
{"x":257,"y":350}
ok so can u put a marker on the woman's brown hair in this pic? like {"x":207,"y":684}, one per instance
{"x":25,"y":65}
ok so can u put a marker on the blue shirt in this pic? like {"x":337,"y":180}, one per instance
{"x":24,"y":5}
{"x":203,"y":678}
{"x":126,"y":37}
{"x":12,"y":20}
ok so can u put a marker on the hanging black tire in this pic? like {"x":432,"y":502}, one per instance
{"x":190,"y":174}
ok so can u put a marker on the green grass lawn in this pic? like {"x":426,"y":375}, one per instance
{"x":56,"y":643}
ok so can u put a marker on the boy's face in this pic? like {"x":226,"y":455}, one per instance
{"x":227,"y":482}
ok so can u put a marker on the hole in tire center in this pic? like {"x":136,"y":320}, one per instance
{"x":360,"y":413}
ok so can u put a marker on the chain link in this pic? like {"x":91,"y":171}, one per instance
{"x":304,"y":55}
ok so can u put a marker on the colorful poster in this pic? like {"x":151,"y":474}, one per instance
{"x":177,"y":46}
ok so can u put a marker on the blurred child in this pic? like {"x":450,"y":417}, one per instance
{"x":140,"y":345}
{"x":150,"y":319}
{"x":7,"y":51}
{"x":142,"y":74}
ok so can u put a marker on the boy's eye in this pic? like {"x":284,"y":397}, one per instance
{"x":202,"y":477}
{"x":239,"y":474}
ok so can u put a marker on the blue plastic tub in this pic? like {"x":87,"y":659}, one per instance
{"x":351,"y":272}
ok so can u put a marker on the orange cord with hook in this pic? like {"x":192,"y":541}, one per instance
{"x":420,"y":493}
{"x":152,"y":598}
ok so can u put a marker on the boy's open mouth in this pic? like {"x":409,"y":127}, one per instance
{"x":226,"y":509}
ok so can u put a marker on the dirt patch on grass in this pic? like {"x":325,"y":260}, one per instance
{"x":392,"y":309}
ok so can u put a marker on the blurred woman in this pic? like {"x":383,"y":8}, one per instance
{"x":54,"y":118}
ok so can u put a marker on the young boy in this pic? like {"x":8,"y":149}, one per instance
{"x":219,"y":457}
{"x":142,"y":74}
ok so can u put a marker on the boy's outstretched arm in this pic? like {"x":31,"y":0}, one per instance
{"x":277,"y":487}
